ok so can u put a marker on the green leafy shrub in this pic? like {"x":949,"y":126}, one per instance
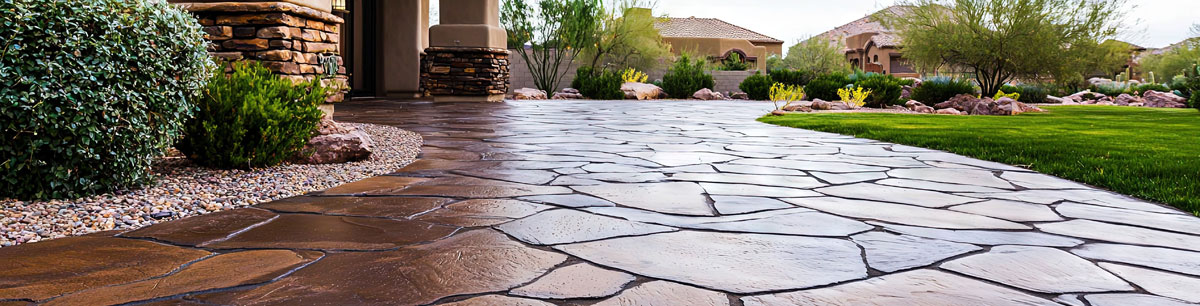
{"x":252,"y":118}
{"x":1112,"y":89}
{"x":885,"y":90}
{"x":825,"y":86}
{"x":1194,"y":101}
{"x":600,"y":85}
{"x":686,"y":77}
{"x":92,"y":91}
{"x":792,"y":76}
{"x":907,"y":82}
{"x":940,"y":89}
{"x":1142,"y":89}
{"x":757,"y":86}
{"x":1010,"y":88}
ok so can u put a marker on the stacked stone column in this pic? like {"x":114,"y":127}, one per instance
{"x":296,"y":42}
{"x":467,"y":58}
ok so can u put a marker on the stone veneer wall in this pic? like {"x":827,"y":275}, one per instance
{"x":464,"y":71}
{"x":289,"y":39}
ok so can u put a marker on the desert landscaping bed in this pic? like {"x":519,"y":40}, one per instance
{"x":184,"y":189}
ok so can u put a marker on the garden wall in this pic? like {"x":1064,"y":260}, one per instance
{"x":726,"y":81}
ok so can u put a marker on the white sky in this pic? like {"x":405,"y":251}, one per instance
{"x":1153,"y":23}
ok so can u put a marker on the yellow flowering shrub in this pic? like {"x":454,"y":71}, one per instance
{"x":632,"y":75}
{"x":855,"y":98}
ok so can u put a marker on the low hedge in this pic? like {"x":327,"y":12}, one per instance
{"x":92,"y":91}
{"x":940,"y":89}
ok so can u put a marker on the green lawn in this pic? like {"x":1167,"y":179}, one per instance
{"x":1153,"y":154}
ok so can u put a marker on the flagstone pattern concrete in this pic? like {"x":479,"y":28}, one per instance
{"x":640,"y":203}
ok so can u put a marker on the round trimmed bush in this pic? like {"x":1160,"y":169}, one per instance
{"x":940,"y":89}
{"x":252,"y":118}
{"x":825,"y":87}
{"x":885,"y":90}
{"x":757,"y":86}
{"x":92,"y":91}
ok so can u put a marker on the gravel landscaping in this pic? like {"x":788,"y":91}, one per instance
{"x":184,"y":189}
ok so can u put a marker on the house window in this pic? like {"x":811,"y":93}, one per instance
{"x":876,"y":59}
{"x":339,"y":4}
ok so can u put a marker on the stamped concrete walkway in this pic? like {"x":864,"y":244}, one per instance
{"x":652,"y":203}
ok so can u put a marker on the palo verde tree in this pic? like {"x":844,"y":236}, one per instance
{"x":1002,"y":40}
{"x":817,"y":55}
{"x":627,"y":38}
{"x":550,"y":34}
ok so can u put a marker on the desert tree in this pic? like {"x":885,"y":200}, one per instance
{"x":550,"y":34}
{"x":627,"y":38}
{"x":818,"y":55}
{"x":998,"y":41}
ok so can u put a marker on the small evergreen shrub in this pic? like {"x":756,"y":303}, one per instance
{"x":686,"y":77}
{"x":1113,"y":89}
{"x":600,"y":85}
{"x":1142,"y":89}
{"x":885,"y":90}
{"x":940,"y":89}
{"x":252,"y":118}
{"x":825,"y":87}
{"x":791,"y":76}
{"x":757,"y":86}
{"x":92,"y":91}
{"x":1194,"y":101}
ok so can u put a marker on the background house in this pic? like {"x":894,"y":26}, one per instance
{"x":870,"y":46}
{"x":717,"y":40}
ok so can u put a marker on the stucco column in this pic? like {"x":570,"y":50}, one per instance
{"x":403,"y":35}
{"x":467,"y":59}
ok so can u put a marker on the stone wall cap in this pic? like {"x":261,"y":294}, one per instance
{"x":261,"y":7}
{"x":468,"y":49}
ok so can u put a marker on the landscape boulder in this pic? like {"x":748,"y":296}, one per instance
{"x":1009,"y":106}
{"x":1127,"y":99}
{"x":1163,"y":99}
{"x":948,"y":111}
{"x":707,"y":94}
{"x":739,"y":96}
{"x":335,"y":143}
{"x":529,"y":94}
{"x":640,"y":91}
{"x":819,"y":104}
{"x":567,"y":94}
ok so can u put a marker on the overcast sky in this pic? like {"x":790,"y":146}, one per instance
{"x":1153,"y":23}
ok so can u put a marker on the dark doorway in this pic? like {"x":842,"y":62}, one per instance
{"x":360,"y":34}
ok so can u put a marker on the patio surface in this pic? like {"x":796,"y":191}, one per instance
{"x":641,"y":203}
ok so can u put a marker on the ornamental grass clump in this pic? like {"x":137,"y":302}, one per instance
{"x":785,"y":93}
{"x":252,"y":118}
{"x":92,"y":92}
{"x":856,"y":97}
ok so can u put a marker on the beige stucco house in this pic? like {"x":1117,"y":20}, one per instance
{"x":870,"y":46}
{"x":718,"y":39}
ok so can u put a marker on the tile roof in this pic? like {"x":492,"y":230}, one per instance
{"x":708,"y":28}
{"x":866,"y":25}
